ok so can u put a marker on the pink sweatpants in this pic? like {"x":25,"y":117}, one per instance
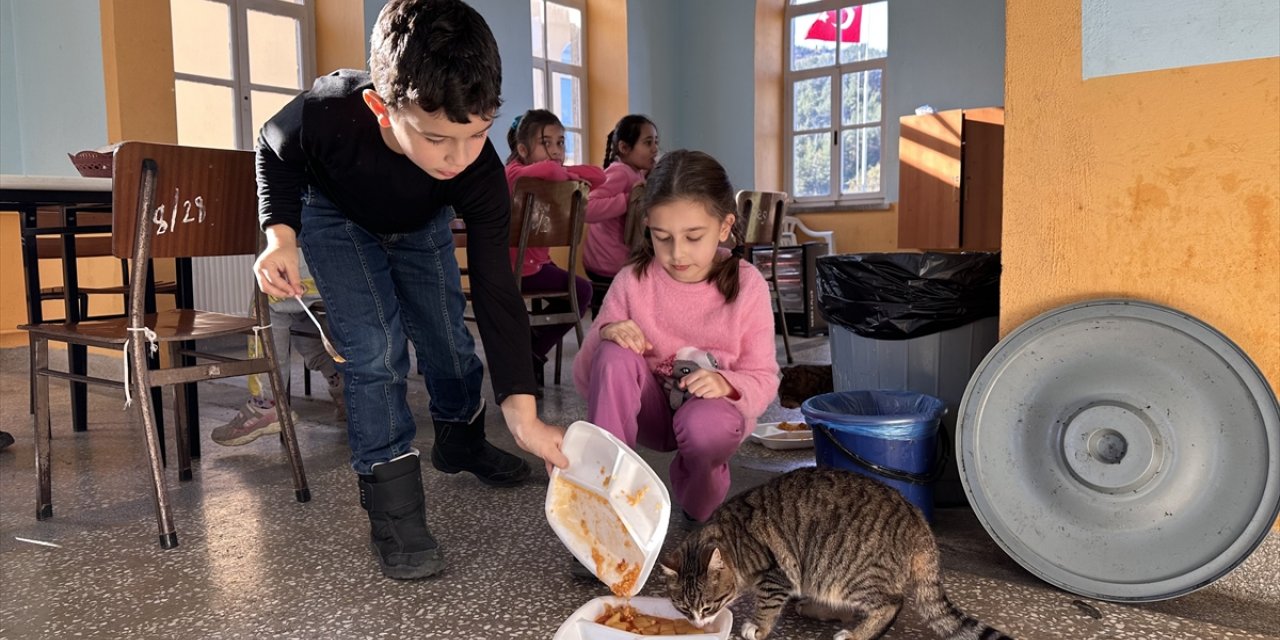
{"x":627,"y":400}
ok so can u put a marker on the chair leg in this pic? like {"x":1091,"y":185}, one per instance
{"x":283,"y":413}
{"x":157,"y":407}
{"x":78,"y":361}
{"x":559,"y":353}
{"x":43,"y":435}
{"x":146,"y":415}
{"x":31,"y":386}
{"x":180,"y":417}
{"x":306,"y":381}
{"x":786,"y":335}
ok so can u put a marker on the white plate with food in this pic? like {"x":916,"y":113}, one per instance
{"x":783,"y":435}
{"x":609,"y":508}
{"x":606,"y":619}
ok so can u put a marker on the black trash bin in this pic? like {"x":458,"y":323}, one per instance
{"x":919,"y":322}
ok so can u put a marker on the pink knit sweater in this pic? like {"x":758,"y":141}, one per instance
{"x":674,"y":314}
{"x":606,"y":251}
{"x":535,"y":257}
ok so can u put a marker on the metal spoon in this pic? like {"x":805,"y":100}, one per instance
{"x":328,"y":346}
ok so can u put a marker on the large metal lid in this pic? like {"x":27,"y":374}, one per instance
{"x":1121,"y":450}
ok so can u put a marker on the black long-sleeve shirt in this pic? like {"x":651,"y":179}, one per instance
{"x":328,"y":139}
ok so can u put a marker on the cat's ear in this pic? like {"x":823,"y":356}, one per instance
{"x":717,"y":561}
{"x":670,"y":566}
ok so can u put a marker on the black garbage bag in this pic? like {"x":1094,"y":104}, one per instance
{"x":894,"y":296}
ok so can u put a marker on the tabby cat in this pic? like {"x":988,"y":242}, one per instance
{"x":846,"y":546}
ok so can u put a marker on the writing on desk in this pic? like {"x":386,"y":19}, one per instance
{"x":164,"y":226}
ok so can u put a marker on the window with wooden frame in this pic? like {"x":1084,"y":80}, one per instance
{"x":833,"y":94}
{"x":560,"y":68}
{"x":236,"y":64}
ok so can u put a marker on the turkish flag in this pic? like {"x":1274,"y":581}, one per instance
{"x":849,"y":23}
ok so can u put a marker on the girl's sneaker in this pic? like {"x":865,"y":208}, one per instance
{"x":250,"y":424}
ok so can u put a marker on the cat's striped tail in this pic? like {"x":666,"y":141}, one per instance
{"x":946,"y":620}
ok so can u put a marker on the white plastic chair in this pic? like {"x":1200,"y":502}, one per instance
{"x":788,"y":235}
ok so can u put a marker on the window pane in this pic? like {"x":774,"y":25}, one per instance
{"x":811,"y":165}
{"x":861,"y":98}
{"x":572,"y":147}
{"x":264,"y":105}
{"x":201,"y":38}
{"x":206,"y":115}
{"x":564,"y":34}
{"x":539,"y":37}
{"x":865,"y":32}
{"x":813,"y":41}
{"x":566,"y":99}
{"x":539,"y":89}
{"x":860,"y":160}
{"x":812,"y":100}
{"x":273,"y":50}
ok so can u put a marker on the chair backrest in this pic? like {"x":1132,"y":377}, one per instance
{"x":195,"y":202}
{"x":634,"y":223}
{"x":548,"y":214}
{"x":760,"y":216}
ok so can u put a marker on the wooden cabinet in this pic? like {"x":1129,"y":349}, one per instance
{"x":951,"y":181}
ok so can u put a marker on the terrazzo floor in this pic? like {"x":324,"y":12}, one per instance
{"x":253,"y":563}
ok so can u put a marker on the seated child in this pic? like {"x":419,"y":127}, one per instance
{"x":630,"y":151}
{"x":680,"y":289}
{"x":537,"y":151}
{"x":258,"y":417}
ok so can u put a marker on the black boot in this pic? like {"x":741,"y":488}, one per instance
{"x":398,"y":520}
{"x":461,"y":446}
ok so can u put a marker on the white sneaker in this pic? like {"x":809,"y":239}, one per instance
{"x":250,"y":424}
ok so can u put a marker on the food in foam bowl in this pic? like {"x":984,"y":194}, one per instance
{"x":613,"y":618}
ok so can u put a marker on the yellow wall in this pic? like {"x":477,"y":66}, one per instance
{"x":1163,"y":185}
{"x":340,"y":36}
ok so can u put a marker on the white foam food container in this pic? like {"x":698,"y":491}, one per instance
{"x":608,"y":507}
{"x":582,"y":624}
{"x":771,"y":436}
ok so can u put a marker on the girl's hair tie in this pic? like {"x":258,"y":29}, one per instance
{"x":515,"y":123}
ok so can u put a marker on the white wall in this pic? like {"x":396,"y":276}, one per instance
{"x":52,"y":94}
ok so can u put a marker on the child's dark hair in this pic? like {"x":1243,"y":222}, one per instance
{"x":527,"y":130}
{"x":696,"y":177}
{"x":627,"y":130}
{"x":439,"y":55}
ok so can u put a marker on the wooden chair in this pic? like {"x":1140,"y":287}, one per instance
{"x":169,"y":202}
{"x":550,"y":214}
{"x":760,"y":216}
{"x":633,"y":227}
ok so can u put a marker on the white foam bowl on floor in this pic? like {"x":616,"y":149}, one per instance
{"x":615,"y":520}
{"x":582,"y":625}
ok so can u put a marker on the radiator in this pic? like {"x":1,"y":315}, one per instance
{"x":223,"y":284}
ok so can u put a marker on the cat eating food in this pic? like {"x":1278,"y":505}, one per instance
{"x":843,"y":545}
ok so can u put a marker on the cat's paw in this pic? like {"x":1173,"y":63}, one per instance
{"x":843,"y":635}
{"x":750,"y":631}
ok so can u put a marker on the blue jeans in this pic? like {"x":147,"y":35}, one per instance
{"x":382,"y":290}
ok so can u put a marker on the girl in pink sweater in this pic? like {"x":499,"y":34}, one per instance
{"x":630,"y":151}
{"x":537,"y":151}
{"x":680,"y":289}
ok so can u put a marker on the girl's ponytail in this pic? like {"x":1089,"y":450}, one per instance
{"x":610,"y":154}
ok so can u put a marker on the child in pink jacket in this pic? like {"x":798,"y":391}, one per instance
{"x":537,"y":151}
{"x":680,"y":289}
{"x":630,"y":152}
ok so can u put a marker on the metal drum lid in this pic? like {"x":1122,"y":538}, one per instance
{"x":1121,"y":450}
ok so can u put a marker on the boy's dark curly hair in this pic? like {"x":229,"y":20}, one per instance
{"x":439,"y":55}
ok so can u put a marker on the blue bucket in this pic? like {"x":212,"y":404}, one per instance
{"x":891,"y":436}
